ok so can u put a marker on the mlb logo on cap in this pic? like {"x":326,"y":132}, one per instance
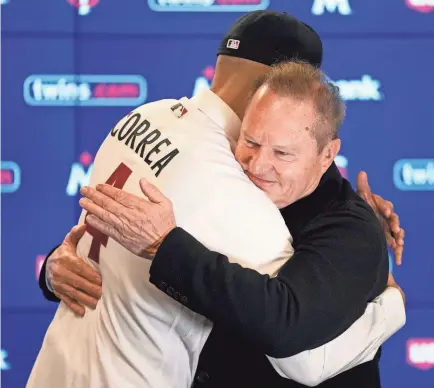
{"x":233,"y":44}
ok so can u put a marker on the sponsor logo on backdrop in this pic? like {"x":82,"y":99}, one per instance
{"x":414,"y":174}
{"x":85,"y":90}
{"x":207,"y":5}
{"x":364,"y":89}
{"x":420,"y":353}
{"x":83,"y":6}
{"x":10,"y":177}
{"x":80,"y":174}
{"x":342,"y":7}
{"x":39,"y":263}
{"x":4,"y":364}
{"x":2,"y":2}
{"x":423,"y":6}
{"x":342,"y":164}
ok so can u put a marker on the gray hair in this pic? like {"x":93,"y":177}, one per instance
{"x":303,"y":81}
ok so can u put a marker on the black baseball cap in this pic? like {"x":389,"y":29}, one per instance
{"x":270,"y":37}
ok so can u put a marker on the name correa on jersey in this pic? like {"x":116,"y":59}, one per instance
{"x":151,"y":142}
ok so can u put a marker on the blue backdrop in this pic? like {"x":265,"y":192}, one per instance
{"x":71,"y":69}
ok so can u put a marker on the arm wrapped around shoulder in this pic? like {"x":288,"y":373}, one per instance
{"x":340,"y":264}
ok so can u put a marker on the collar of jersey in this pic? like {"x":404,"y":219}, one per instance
{"x":217,"y":110}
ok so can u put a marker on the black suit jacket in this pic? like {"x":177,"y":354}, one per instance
{"x":340,"y":264}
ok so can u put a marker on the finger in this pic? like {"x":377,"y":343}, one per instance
{"x":72,"y":268}
{"x":399,"y":237}
{"x":362,"y":184}
{"x":79,"y":280}
{"x":116,"y":235}
{"x":364,"y":190}
{"x":75,"y":234}
{"x":393,"y":223}
{"x":75,"y":294}
{"x":151,"y":191}
{"x":104,"y":227}
{"x":72,"y":305}
{"x":107,"y":214}
{"x":390,"y":241}
{"x":398,"y":251}
{"x":88,"y":278}
{"x":126,"y":199}
{"x":385,"y":208}
{"x":102,"y":200}
{"x":74,"y":275}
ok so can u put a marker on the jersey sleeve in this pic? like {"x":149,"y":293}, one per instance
{"x":382,"y":318}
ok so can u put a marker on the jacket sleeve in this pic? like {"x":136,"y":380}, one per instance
{"x":46,"y":291}
{"x":382,"y":318}
{"x":320,"y":292}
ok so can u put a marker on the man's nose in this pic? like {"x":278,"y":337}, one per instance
{"x":260,"y":162}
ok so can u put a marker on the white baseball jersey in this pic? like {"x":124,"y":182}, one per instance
{"x":138,"y":336}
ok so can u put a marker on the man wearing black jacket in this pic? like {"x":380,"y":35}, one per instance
{"x":321,"y":226}
{"x":317,"y":295}
{"x":340,"y":261}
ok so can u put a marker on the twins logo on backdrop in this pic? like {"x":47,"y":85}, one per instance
{"x":85,"y":90}
{"x":414,"y":174}
{"x":10,"y":176}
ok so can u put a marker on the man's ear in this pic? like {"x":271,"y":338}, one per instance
{"x":330,"y":152}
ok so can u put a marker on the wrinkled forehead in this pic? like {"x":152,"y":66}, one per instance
{"x":283,"y":117}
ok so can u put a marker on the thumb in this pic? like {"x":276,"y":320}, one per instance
{"x":362,"y":184}
{"x":151,"y":191}
{"x":74,"y":236}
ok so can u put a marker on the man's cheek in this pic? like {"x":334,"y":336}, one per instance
{"x":242,"y":156}
{"x":287,"y":183}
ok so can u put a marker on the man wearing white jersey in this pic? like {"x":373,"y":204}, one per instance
{"x":137,"y":336}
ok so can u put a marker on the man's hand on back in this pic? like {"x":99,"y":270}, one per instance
{"x":388,"y":218}
{"x":73,"y":281}
{"x":138,"y":224}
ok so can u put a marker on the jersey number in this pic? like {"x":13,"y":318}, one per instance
{"x":118,"y":180}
